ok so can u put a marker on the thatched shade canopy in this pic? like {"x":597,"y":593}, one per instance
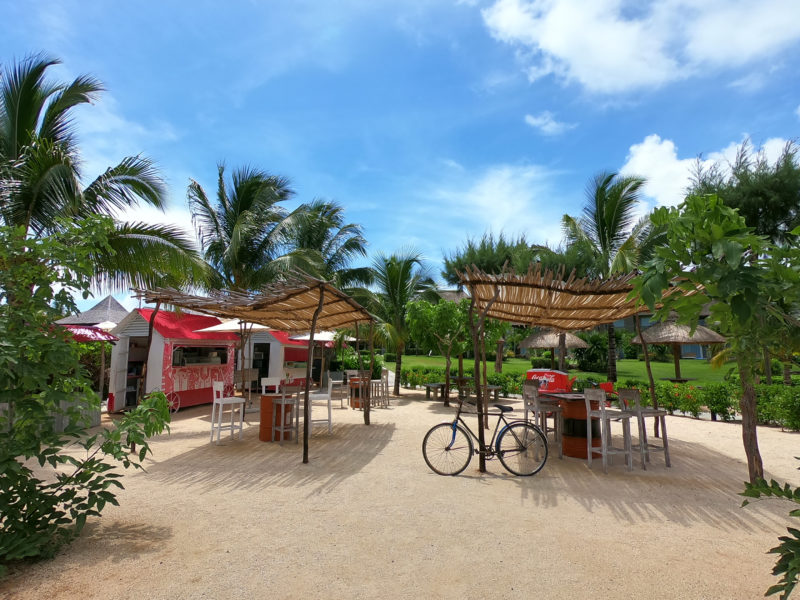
{"x":287,"y":305}
{"x":670,"y":332}
{"x":298,"y":304}
{"x":676,"y":335}
{"x":547,"y":299}
{"x":549,"y":339}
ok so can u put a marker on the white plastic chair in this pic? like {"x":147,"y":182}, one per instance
{"x":605,"y":415}
{"x":217,"y":408}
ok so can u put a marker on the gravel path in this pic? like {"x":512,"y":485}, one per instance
{"x":367,"y":519}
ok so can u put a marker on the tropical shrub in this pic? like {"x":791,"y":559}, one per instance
{"x":595,"y":357}
{"x":41,"y":377}
{"x":720,"y":400}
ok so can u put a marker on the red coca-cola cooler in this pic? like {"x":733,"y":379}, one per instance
{"x":552,"y":381}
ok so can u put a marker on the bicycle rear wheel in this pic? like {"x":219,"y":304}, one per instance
{"x":522,"y":448}
{"x":447,"y":449}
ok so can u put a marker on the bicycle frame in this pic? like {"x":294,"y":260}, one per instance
{"x":488,"y":450}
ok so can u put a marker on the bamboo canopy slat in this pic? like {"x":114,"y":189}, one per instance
{"x":549,"y":339}
{"x":545,"y":298}
{"x":288,"y":305}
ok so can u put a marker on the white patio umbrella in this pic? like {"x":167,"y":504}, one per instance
{"x":322,"y":336}
{"x":234,"y":325}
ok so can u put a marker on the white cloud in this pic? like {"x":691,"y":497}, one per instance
{"x":668,"y":176}
{"x":546,"y":123}
{"x":106,"y":136}
{"x":514,"y":199}
{"x":657,"y":161}
{"x":611,"y":46}
{"x":797,"y":112}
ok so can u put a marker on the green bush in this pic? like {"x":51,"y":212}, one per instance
{"x":595,"y":357}
{"x":778,"y":405}
{"x":390,"y":357}
{"x":720,"y":399}
{"x":538,"y":362}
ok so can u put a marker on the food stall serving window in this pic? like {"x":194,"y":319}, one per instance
{"x":199,"y":355}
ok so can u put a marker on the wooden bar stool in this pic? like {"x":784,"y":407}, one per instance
{"x":543,"y":410}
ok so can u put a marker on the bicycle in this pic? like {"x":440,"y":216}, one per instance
{"x":520,"y":445}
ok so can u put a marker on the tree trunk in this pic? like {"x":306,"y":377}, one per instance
{"x":650,"y":381}
{"x":143,"y":380}
{"x":562,"y":352}
{"x":767,"y":366}
{"x":309,"y":365}
{"x":461,"y":365}
{"x":398,"y":365}
{"x":371,"y":366}
{"x":612,"y":353}
{"x":787,"y":373}
{"x":475,"y":327}
{"x":498,"y":357}
{"x":484,"y":381}
{"x":755,"y":467}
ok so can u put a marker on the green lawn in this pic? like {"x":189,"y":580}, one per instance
{"x":698,"y":370}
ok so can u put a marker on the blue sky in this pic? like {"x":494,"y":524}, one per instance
{"x":429,"y":121}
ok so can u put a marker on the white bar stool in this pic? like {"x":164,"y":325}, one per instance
{"x":605,"y":415}
{"x":217,"y":408}
{"x":282,"y":427}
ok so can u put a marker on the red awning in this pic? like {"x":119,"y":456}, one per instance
{"x":283,"y":338}
{"x":184,"y":326}
{"x":86,"y":333}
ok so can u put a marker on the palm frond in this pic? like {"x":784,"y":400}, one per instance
{"x":124,"y":185}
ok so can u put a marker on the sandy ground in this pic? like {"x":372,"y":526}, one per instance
{"x":367,"y":519}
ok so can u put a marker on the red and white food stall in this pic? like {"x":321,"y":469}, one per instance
{"x":181,"y":358}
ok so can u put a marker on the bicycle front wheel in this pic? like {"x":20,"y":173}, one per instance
{"x":447,"y":449}
{"x":522,"y":448}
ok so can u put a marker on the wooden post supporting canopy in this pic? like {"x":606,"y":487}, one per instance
{"x":306,"y":405}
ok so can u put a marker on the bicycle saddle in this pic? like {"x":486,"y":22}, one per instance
{"x":502,"y":408}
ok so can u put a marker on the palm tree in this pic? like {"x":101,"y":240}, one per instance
{"x":245,"y":233}
{"x":399,"y":279}
{"x":609,"y":232}
{"x":41,"y":189}
{"x":329,"y":245}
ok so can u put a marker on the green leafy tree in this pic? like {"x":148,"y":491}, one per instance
{"x":788,"y":550}
{"x":489,"y":255}
{"x":767,"y":195}
{"x":715,"y":259}
{"x":398,"y":279}
{"x":609,"y":232}
{"x":41,"y":378}
{"x":40,"y":181}
{"x":443,"y":326}
{"x":244,"y":233}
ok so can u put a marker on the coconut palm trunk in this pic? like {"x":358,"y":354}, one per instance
{"x":398,"y":366}
{"x":612,"y":353}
